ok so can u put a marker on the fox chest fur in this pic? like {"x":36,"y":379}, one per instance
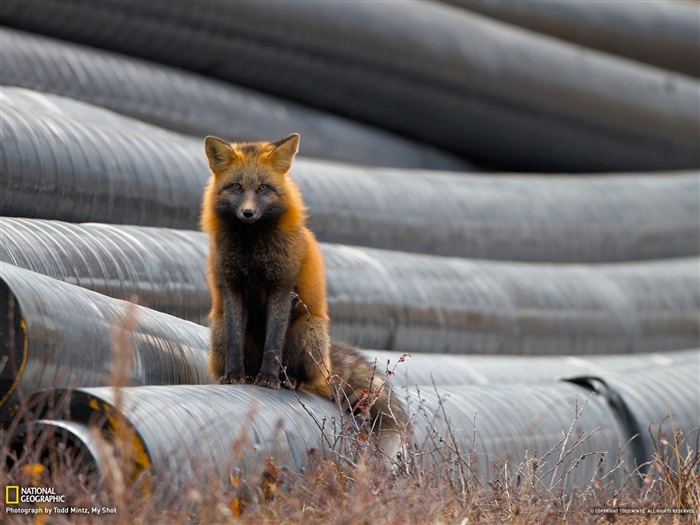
{"x":256,"y":263}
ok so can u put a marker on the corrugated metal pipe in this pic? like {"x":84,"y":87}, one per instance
{"x":193,"y":104}
{"x":404,"y":302}
{"x":561,"y":434}
{"x":657,"y":32}
{"x":492,"y":92}
{"x":53,"y":144}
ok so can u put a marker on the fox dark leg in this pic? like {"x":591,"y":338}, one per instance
{"x":278,"y":306}
{"x":235,"y":322}
{"x":217,"y":354}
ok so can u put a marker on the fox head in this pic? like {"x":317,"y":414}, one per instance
{"x":250,"y":183}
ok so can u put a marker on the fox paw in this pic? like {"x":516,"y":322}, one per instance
{"x":232,"y":379}
{"x":268,"y":381}
{"x":290,"y":383}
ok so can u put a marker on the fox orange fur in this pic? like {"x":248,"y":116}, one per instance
{"x":269,"y":318}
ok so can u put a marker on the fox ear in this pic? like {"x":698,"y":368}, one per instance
{"x":219,"y":153}
{"x":283,"y":153}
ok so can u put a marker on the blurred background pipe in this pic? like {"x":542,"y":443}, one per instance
{"x":423,"y":368}
{"x":109,"y":168}
{"x":188,"y":103}
{"x":489,"y":91}
{"x":555,"y":218}
{"x":406,"y":302}
{"x":403,"y":302}
{"x":658,"y":32}
{"x":59,"y":335}
{"x":66,"y":160}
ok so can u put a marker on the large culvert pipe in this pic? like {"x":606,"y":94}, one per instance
{"x":58,"y":335}
{"x":423,"y":368}
{"x":559,"y":218}
{"x":159,"y":268}
{"x":657,"y":32}
{"x":237,"y":427}
{"x":490,"y":91}
{"x":196,"y":105}
{"x":62,"y":446}
{"x":51,"y":144}
{"x":103,"y":166}
{"x":406,"y":302}
{"x":664,"y":399}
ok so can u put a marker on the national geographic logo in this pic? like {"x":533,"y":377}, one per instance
{"x":38,"y":500}
{"x":14,"y":495}
{"x":11,"y":495}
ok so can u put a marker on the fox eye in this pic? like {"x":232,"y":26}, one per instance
{"x":262,"y":188}
{"x":235,"y":187}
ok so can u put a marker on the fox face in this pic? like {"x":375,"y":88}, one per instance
{"x":250,"y":182}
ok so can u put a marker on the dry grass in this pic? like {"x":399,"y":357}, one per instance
{"x":438,"y":488}
{"x":365,"y":494}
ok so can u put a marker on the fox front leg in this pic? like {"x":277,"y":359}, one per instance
{"x":235,"y":322}
{"x":278,"y":308}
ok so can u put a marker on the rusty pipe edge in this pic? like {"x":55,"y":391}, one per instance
{"x":60,"y":335}
{"x":199,"y":431}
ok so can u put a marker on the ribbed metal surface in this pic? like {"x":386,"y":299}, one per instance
{"x":196,"y":105}
{"x":406,"y":302}
{"x":505,"y":217}
{"x":65,"y":336}
{"x":66,"y":160}
{"x":574,"y":435}
{"x":657,"y":32}
{"x":414,"y":303}
{"x":160,"y":268}
{"x":491,"y":91}
{"x":422,"y":368}
{"x":495,"y":429}
{"x":196,"y":432}
{"x":657,"y":392}
{"x":500,"y":427}
{"x":139,"y":174}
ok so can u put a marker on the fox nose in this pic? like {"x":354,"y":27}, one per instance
{"x":248,"y":213}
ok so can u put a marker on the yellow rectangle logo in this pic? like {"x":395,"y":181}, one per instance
{"x":11,"y":494}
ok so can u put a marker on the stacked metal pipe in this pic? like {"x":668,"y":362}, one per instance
{"x":145,"y":175}
{"x":556,"y":272}
{"x":657,"y":32}
{"x":193,"y":104}
{"x":60,"y":335}
{"x":500,"y":95}
{"x":405,"y":302}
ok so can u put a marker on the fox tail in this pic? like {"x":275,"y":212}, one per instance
{"x":363,"y":389}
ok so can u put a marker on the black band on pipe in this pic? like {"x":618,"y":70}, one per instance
{"x":638,"y":445}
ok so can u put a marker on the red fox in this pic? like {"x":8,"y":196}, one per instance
{"x":269,"y":318}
